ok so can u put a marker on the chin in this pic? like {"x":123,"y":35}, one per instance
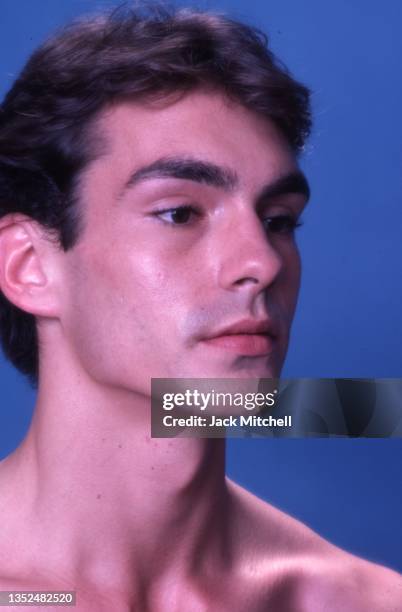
{"x":242,"y":367}
{"x":257,"y":371}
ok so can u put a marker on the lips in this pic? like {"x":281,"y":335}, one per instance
{"x":248,"y":337}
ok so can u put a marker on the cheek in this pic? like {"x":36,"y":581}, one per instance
{"x":295,"y":270}
{"x":290,"y":278}
{"x":96,"y":308}
{"x":96,"y":318}
{"x":123,"y":315}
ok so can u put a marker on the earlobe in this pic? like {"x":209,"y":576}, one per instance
{"x":23,"y":277}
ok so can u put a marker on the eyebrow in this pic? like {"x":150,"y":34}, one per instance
{"x":200,"y":171}
{"x":293,"y":182}
{"x":185,"y":168}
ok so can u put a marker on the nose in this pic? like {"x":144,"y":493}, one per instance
{"x":248,"y":259}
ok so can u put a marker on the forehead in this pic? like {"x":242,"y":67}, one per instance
{"x":200,"y":124}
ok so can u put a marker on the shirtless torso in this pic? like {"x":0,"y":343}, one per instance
{"x":266,"y":561}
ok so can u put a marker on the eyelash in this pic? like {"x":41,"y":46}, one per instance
{"x":185,"y":207}
{"x":287,"y":223}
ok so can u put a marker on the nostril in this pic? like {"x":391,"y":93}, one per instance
{"x":246,"y":280}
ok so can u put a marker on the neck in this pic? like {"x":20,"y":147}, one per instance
{"x":117,"y":502}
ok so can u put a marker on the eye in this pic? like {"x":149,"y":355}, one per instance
{"x":281,"y":224}
{"x":179,"y":215}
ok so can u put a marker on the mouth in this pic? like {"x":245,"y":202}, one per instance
{"x":248,"y":338}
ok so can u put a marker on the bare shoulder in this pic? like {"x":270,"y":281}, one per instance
{"x":346,"y":582}
{"x":302,"y":571}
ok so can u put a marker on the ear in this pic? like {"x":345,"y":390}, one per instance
{"x":28,"y":265}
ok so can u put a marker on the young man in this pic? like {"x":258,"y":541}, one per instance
{"x":149,"y":192}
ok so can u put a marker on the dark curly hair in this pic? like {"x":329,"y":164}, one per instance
{"x":46,"y":117}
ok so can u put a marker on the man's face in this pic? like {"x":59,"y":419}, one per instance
{"x":187,"y":264}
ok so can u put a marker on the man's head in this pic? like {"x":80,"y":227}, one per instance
{"x":159,"y":152}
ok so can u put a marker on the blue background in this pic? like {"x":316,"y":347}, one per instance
{"x":349,"y":318}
